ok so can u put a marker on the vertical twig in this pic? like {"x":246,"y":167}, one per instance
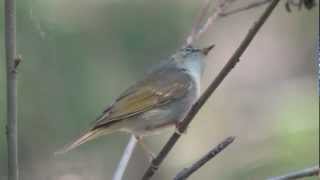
{"x":125,"y":159}
{"x":318,"y":61}
{"x":185,"y":173}
{"x":212,"y":87}
{"x":12,"y":63}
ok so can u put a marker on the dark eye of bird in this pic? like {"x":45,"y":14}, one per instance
{"x":190,"y":49}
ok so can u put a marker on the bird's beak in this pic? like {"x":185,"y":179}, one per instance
{"x":206,"y":50}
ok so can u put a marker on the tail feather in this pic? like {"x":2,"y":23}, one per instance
{"x":90,"y":135}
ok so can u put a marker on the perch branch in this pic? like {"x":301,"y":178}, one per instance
{"x":11,"y":62}
{"x":220,"y":77}
{"x":125,"y":159}
{"x":313,"y":171}
{"x":185,"y":173}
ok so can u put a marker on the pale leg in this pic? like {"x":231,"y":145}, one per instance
{"x":149,"y":153}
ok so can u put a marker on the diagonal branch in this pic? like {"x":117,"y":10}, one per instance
{"x":213,"y":86}
{"x":185,"y":173}
{"x":313,"y":171}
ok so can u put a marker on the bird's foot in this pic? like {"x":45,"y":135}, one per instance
{"x":179,"y":130}
{"x":150,"y":155}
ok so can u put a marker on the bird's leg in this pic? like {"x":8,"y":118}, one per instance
{"x":178,"y":130}
{"x":149,"y":153}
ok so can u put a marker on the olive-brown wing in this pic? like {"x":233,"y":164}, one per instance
{"x":156,"y":90}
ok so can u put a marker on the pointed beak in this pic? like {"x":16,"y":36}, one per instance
{"x":206,"y":50}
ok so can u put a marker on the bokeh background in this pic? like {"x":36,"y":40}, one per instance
{"x":78,"y":55}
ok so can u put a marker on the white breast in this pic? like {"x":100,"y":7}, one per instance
{"x":195,"y":69}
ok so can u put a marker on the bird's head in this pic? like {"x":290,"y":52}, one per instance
{"x":189,"y":53}
{"x":192,"y":59}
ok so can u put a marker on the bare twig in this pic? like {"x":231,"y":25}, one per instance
{"x":244,"y":8}
{"x":198,"y":29}
{"x":198,"y":21}
{"x":12,"y":63}
{"x":313,"y":171}
{"x":223,"y":73}
{"x":125,"y":159}
{"x":185,"y":173}
{"x":220,"y":11}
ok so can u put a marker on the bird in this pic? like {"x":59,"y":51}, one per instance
{"x":160,"y":100}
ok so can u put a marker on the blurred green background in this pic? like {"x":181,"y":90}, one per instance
{"x":78,"y":55}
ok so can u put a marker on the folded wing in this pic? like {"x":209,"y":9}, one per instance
{"x":157,"y":89}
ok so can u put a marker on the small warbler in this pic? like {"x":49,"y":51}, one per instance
{"x":161,"y":99}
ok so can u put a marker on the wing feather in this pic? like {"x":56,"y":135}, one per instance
{"x":158,"y":88}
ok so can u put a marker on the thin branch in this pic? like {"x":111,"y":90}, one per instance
{"x":213,"y":86}
{"x":313,"y":171}
{"x":199,"y":19}
{"x":197,"y":29}
{"x":185,"y":173}
{"x":318,"y":61}
{"x":220,"y":11}
{"x":12,"y":63}
{"x":244,"y":8}
{"x":125,"y":159}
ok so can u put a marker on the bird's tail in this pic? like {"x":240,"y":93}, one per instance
{"x":90,"y":135}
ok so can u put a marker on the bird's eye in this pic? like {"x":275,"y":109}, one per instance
{"x":190,"y":49}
